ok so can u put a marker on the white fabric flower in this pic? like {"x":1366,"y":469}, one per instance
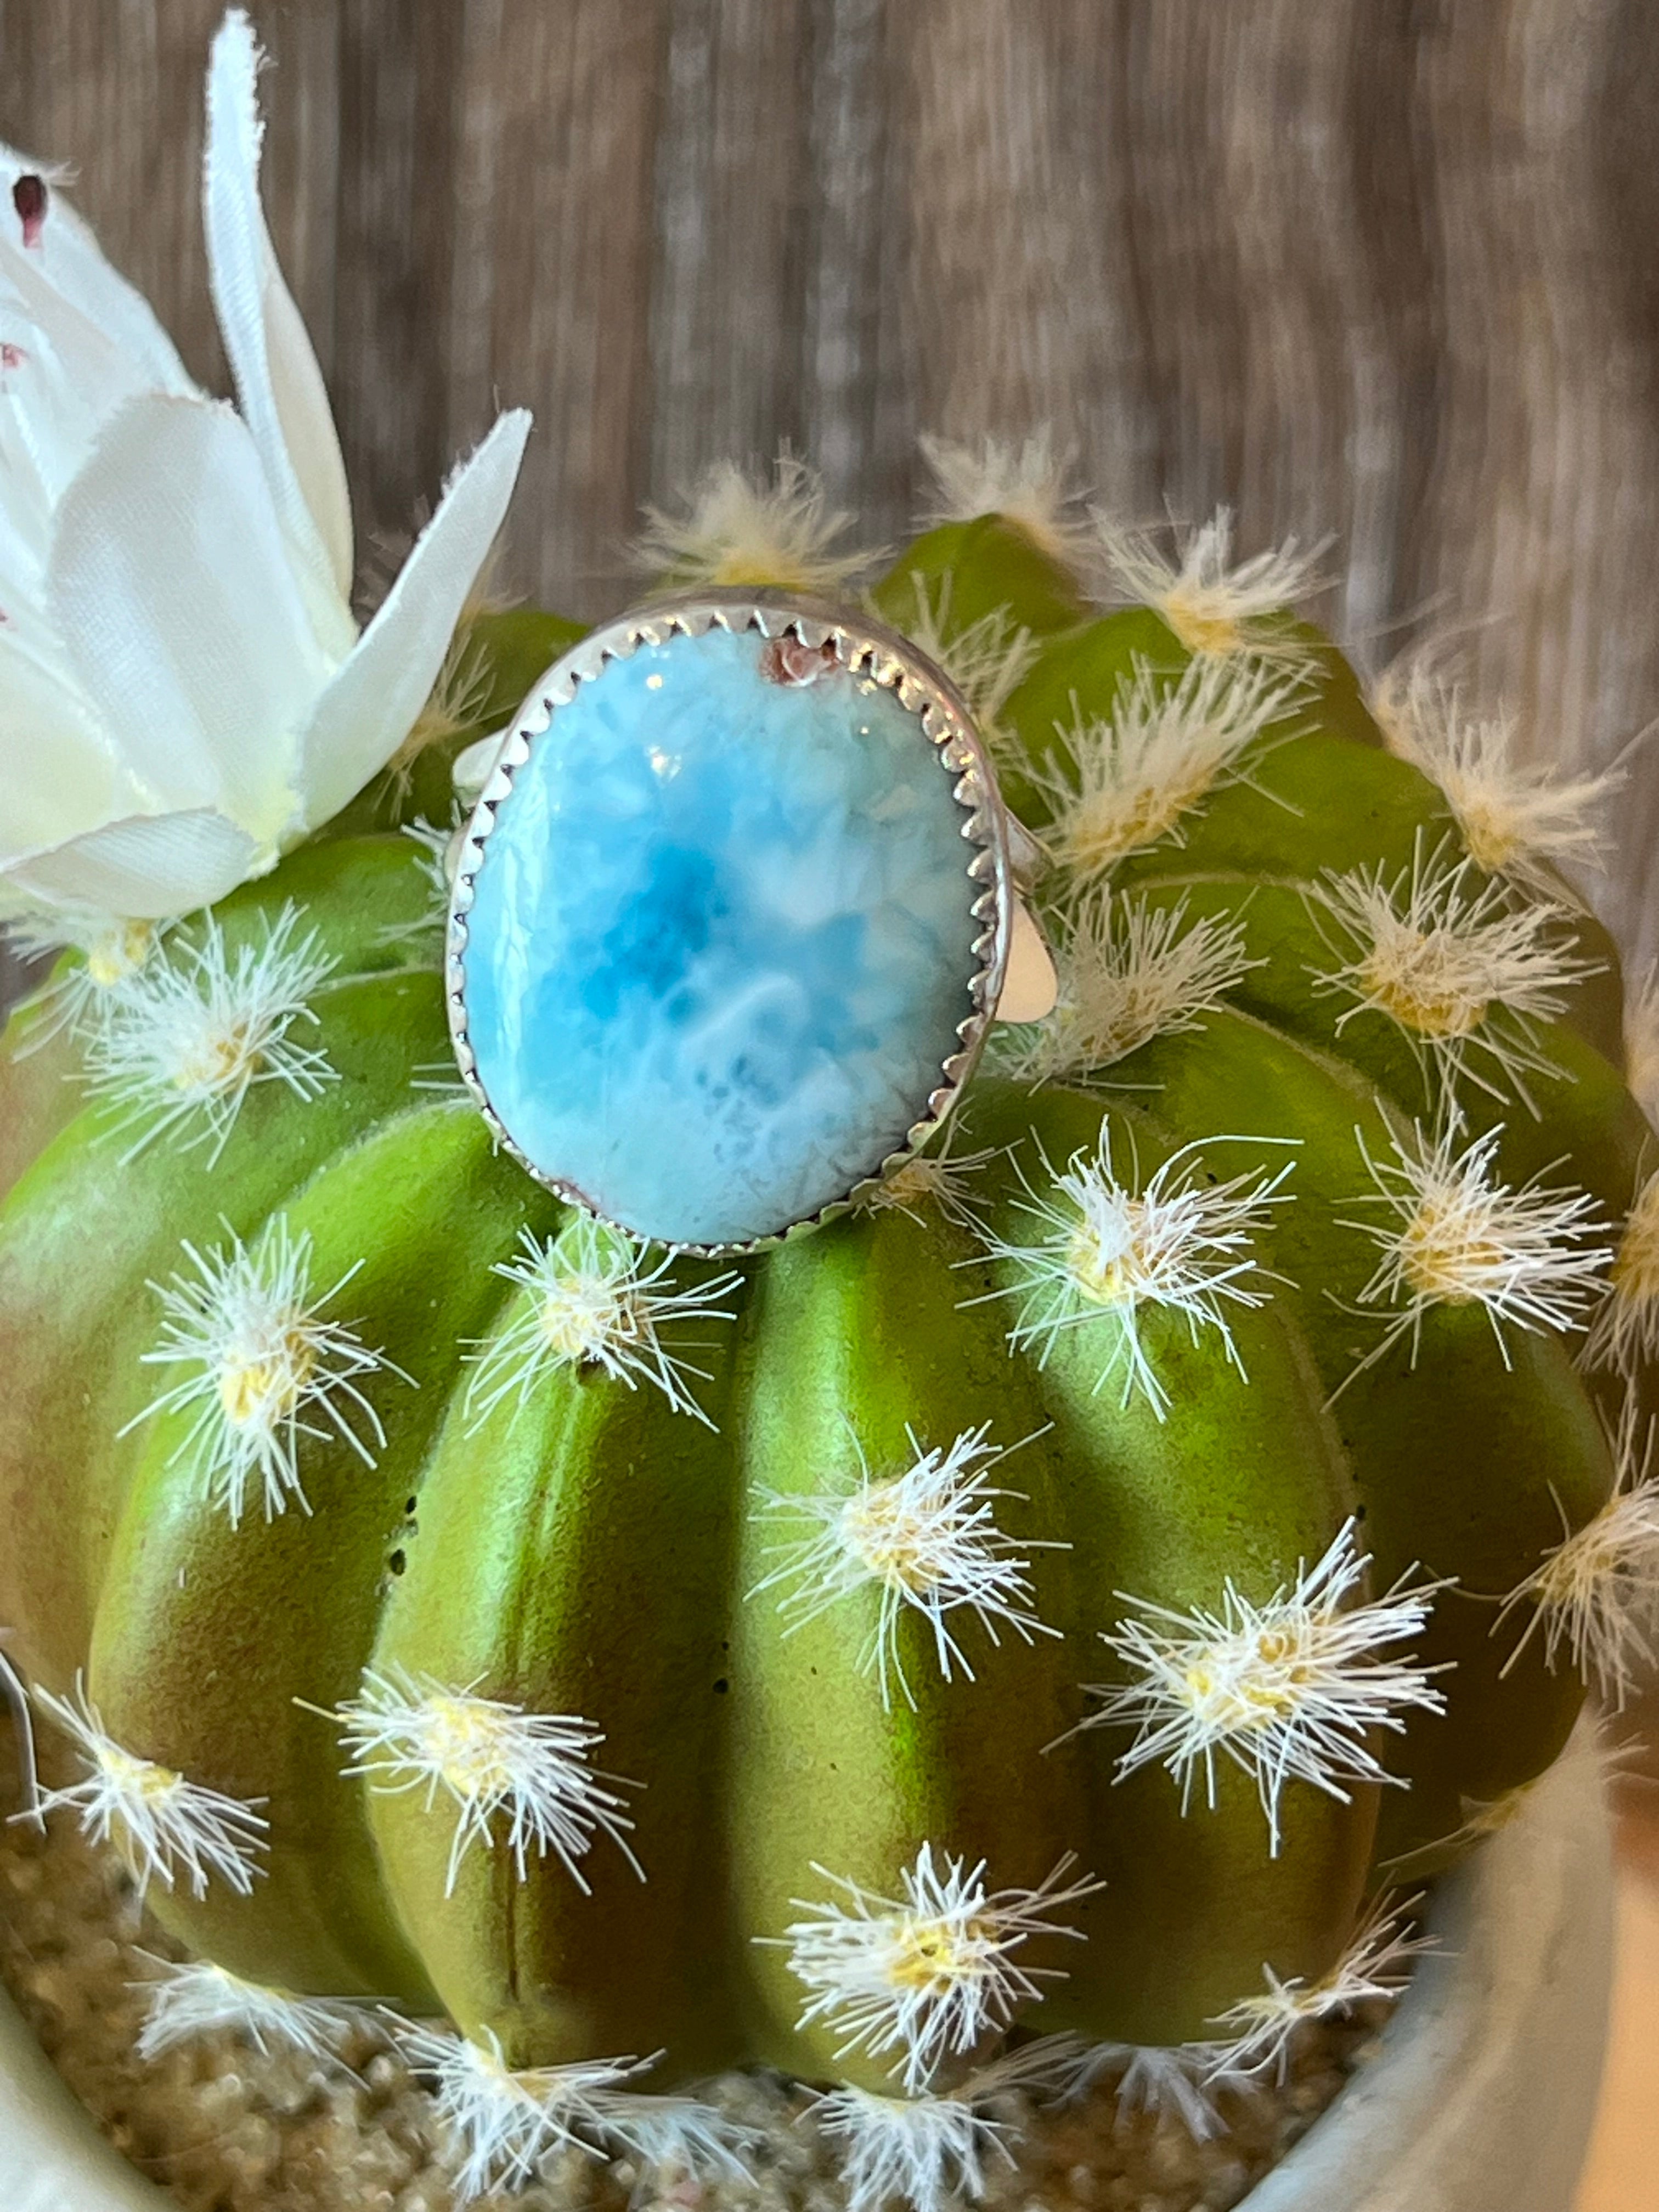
{"x":183,"y":692}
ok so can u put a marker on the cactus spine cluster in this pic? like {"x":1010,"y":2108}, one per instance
{"x":1057,"y":1610}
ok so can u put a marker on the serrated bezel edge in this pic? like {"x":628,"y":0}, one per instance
{"x":861,"y":646}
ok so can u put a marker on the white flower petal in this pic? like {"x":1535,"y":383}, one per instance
{"x":176,"y":643}
{"x":69,"y":258}
{"x":57,"y":769}
{"x":147,"y":867}
{"x":25,"y":519}
{"x":79,"y":342}
{"x":278,"y":383}
{"x":370,"y":706}
{"x":62,"y":380}
{"x":169,"y":587}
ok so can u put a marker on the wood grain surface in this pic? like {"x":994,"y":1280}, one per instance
{"x":1381,"y":268}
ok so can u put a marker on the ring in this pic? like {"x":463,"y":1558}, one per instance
{"x":731,"y":918}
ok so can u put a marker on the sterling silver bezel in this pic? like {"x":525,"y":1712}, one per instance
{"x":861,"y":646}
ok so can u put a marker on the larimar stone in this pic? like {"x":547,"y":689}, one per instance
{"x":720,"y":940}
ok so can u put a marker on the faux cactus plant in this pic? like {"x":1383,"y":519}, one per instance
{"x":1069,"y":1599}
{"x":1133,"y":1539}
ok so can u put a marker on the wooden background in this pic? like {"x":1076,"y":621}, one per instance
{"x":1385,"y":268}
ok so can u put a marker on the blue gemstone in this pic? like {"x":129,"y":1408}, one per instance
{"x":720,"y":940}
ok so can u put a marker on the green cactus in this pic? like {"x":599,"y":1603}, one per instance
{"x":1096,"y":1568}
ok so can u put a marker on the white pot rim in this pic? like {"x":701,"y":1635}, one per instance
{"x":1479,"y":2099}
{"x":1483,"y":2093}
